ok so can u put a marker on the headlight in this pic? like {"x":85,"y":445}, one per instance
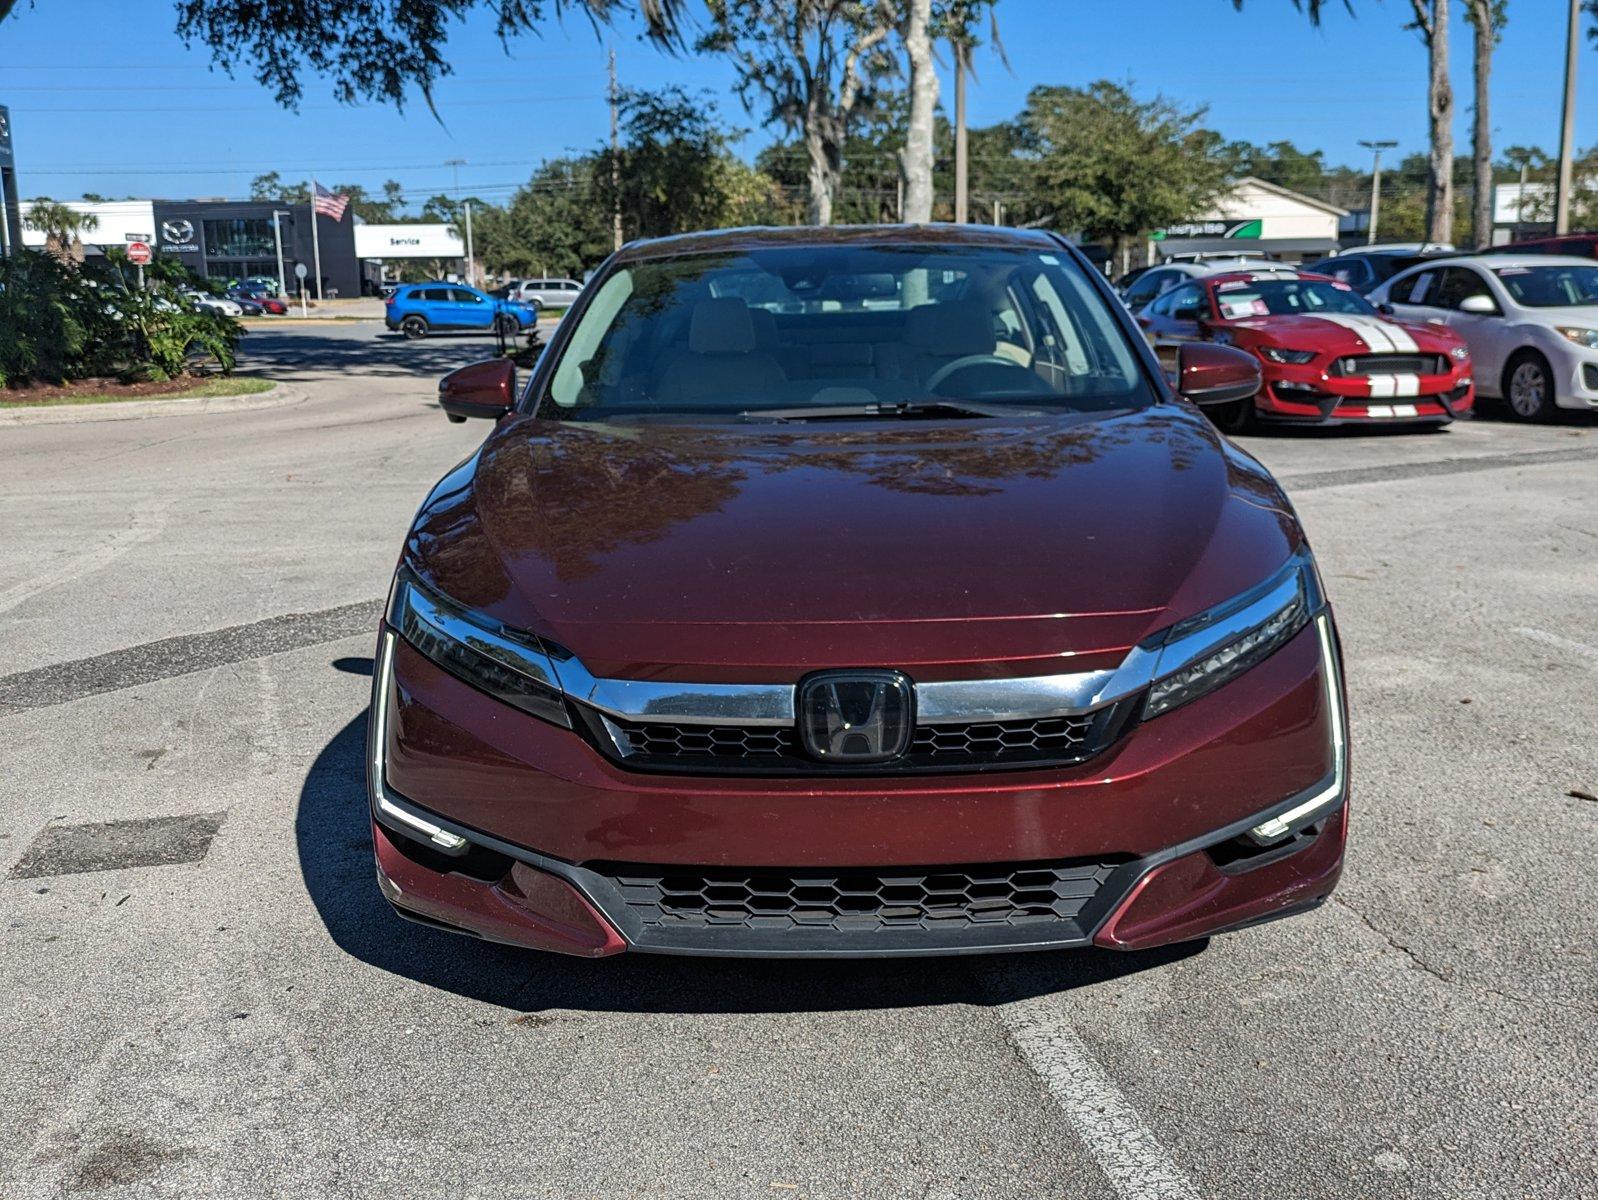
{"x":1200,"y":654}
{"x":1582,"y":337}
{"x":1460,"y":353}
{"x":1277,"y":354}
{"x":512,"y":667}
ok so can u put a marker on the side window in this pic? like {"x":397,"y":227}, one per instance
{"x":432,"y":294}
{"x":1060,"y":341}
{"x":1186,"y":303}
{"x":462,"y":296}
{"x":1421,"y":289}
{"x":1146,"y":286}
{"x":1458,"y":283}
{"x":1161,"y":306}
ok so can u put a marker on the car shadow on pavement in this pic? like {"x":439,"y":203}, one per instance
{"x":333,"y":838}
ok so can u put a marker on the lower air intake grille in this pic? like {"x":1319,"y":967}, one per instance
{"x":775,"y":911}
{"x":1391,"y":364}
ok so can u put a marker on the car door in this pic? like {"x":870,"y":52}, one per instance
{"x":471,"y":309}
{"x":1179,"y":322}
{"x":1487,"y":334}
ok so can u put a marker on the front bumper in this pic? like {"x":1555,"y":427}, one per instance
{"x":1143,"y":845}
{"x":1309,"y":395}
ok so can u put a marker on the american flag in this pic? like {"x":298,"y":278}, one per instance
{"x":330,"y":204}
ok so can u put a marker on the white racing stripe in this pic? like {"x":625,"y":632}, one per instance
{"x":1383,"y":386}
{"x":1383,"y":337}
{"x":1130,"y":1156}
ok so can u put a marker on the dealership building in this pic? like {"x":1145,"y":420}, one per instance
{"x":1257,"y":217}
{"x":234,"y":239}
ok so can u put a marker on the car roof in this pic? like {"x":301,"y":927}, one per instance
{"x":1257,"y":273}
{"x":1497,"y":262}
{"x":763,"y":237}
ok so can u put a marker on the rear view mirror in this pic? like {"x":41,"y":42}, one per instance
{"x":1478,"y":303}
{"x":1210,"y":374}
{"x":484,"y":389}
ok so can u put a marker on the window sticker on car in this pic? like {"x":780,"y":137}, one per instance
{"x":1341,"y":286}
{"x":1245,"y":306}
{"x":1231,"y":285}
{"x":1050,"y":259}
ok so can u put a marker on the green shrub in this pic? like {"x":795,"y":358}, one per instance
{"x":58,"y":323}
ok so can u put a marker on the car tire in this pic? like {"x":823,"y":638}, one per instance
{"x":1529,"y":387}
{"x":414,"y":327}
{"x":1237,"y":417}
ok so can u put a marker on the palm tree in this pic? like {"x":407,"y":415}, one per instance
{"x":61,"y":225}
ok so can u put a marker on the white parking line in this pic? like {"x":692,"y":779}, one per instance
{"x":1130,"y":1156}
{"x":1563,"y":643}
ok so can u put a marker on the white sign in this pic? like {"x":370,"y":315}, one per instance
{"x":300,"y":270}
{"x":138,"y":237}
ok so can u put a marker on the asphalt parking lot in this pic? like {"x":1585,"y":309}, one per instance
{"x":186,"y":615}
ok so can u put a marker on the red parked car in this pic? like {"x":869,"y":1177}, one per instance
{"x":1327,"y":356}
{"x":855,"y":592}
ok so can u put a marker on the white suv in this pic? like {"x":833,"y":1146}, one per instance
{"x":1156,"y":281}
{"x":545,"y":293}
{"x":1530,"y":320}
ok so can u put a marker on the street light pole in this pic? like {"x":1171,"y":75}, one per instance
{"x":1567,"y":125}
{"x":1376,"y":149}
{"x":277,"y":236}
{"x":471,"y":267}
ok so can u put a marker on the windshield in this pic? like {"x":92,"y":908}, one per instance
{"x":836,"y":327}
{"x":1552,"y":286}
{"x":1240,"y":299}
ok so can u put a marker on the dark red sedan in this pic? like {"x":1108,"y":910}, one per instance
{"x":855,"y":592}
{"x":1327,"y":356}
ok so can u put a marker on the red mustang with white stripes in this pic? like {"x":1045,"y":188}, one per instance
{"x":1327,"y":356}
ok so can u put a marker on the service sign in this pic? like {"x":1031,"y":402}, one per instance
{"x":5,"y":137}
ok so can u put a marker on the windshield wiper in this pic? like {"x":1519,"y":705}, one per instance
{"x":905,"y":410}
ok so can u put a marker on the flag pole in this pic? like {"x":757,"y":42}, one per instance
{"x":316,"y":244}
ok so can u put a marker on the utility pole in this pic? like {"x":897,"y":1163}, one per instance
{"x":1567,"y":126}
{"x":962,"y":160}
{"x":277,"y":236}
{"x":1376,"y":149}
{"x":615,"y":156}
{"x":466,"y":208}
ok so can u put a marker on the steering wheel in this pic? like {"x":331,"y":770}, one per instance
{"x":970,"y":360}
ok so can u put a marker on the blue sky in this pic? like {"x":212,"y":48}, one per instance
{"x":105,"y":98}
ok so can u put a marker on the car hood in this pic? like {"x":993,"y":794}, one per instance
{"x":1000,"y":546}
{"x":1349,"y":333}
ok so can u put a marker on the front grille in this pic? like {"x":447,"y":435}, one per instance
{"x":1589,"y":376}
{"x":777,"y":910}
{"x":1391,"y":364}
{"x":776,"y":749}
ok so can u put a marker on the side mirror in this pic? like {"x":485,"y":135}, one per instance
{"x":1480,"y":304}
{"x":1386,"y":309}
{"x":484,"y":389}
{"x":1211,"y":374}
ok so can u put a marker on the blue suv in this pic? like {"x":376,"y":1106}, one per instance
{"x":417,"y":309}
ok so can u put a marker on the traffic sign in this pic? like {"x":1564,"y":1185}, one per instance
{"x":138,"y":253}
{"x":301,"y":270}
{"x":138,"y":237}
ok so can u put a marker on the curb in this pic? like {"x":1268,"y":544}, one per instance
{"x":280,"y":396}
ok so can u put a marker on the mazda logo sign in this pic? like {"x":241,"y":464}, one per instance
{"x":178,"y":231}
{"x":856,"y":716}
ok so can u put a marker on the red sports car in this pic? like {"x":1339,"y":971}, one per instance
{"x":1327,"y":356}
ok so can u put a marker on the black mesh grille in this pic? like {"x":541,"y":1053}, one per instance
{"x":769,"y":749}
{"x":770,"y":902}
{"x":1052,"y":737}
{"x":1391,"y":364}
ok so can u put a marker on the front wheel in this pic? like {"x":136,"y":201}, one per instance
{"x":414,"y":327}
{"x":1237,"y":417}
{"x":1529,"y":387}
